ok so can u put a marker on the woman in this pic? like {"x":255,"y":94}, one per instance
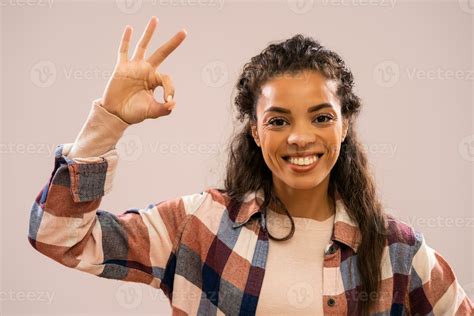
{"x":229,"y":251}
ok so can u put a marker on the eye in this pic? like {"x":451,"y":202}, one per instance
{"x":272,"y":121}
{"x":279,"y":122}
{"x":328,"y":117}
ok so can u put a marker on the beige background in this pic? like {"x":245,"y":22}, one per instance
{"x":56,"y":58}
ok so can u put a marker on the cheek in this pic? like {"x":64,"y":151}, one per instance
{"x":333,"y":152}
{"x":269,"y":144}
{"x":270,"y":150}
{"x":269,"y":154}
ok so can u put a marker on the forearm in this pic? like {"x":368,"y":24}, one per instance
{"x":99,"y":134}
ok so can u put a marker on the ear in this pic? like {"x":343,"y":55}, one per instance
{"x":253,"y":128}
{"x":345,"y":128}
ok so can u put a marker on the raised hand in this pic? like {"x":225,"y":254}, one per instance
{"x":129,"y":92}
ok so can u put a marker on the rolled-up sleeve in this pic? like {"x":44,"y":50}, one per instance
{"x":67,"y":225}
{"x":433,"y":286}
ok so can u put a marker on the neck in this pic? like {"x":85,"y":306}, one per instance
{"x":314,"y":203}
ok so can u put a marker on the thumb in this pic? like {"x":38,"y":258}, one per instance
{"x":157,"y":109}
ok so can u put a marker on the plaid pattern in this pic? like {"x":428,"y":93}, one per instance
{"x":207,"y":253}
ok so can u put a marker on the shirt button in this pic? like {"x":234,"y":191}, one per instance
{"x":331,"y":302}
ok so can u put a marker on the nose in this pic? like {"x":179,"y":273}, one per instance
{"x":301,"y":136}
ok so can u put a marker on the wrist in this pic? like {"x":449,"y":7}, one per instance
{"x":100,"y":133}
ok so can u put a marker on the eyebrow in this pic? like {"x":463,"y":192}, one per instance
{"x":313,"y":108}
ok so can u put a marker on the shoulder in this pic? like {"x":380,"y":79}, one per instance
{"x":208,"y":200}
{"x":217,"y":203}
{"x":411,"y":244}
{"x":399,"y":231}
{"x":181,"y":206}
{"x":217,"y":195}
{"x":403,"y":241}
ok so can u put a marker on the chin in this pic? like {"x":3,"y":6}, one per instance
{"x":303,"y":184}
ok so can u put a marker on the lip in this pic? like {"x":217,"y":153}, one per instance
{"x":302,"y":169}
{"x":304,"y":154}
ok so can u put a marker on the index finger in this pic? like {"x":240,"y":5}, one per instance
{"x":123,"y":50}
{"x":161,"y":53}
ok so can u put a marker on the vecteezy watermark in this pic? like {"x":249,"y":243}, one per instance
{"x":439,"y":74}
{"x":379,"y":149}
{"x":387,"y":73}
{"x":193,"y":296}
{"x":130,"y":148}
{"x":43,"y":74}
{"x":158,"y":295}
{"x":186,"y":148}
{"x":129,"y":295}
{"x":300,"y":6}
{"x":26,"y":3}
{"x":29,"y":149}
{"x":132,"y":6}
{"x":304,"y":6}
{"x":466,"y":148}
{"x":219,"y":4}
{"x":86,"y":74}
{"x":129,"y":6}
{"x":467,"y":6}
{"x":439,"y":221}
{"x":215,"y":74}
{"x":29,"y":296}
{"x":189,"y":296}
{"x":361,"y":3}
{"x":301,"y":294}
{"x":384,"y":149}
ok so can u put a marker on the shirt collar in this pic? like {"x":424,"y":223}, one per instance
{"x":345,"y":229}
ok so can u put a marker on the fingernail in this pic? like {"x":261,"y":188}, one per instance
{"x":169,"y":98}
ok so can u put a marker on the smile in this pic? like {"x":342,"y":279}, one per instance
{"x":302,"y":164}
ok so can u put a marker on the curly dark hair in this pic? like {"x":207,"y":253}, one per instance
{"x":350,"y":177}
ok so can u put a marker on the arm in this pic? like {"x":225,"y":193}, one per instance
{"x":67,"y":225}
{"x":433,"y":286}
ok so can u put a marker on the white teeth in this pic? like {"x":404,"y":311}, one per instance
{"x":303,"y":161}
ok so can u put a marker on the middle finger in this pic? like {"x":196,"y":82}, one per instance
{"x":161,"y":53}
{"x":145,"y":39}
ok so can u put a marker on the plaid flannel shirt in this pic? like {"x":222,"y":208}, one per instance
{"x":207,"y":253}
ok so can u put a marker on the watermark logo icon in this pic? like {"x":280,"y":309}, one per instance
{"x":130,"y":147}
{"x":129,"y":295}
{"x":215,"y":74}
{"x":467,"y":6}
{"x":387,"y":73}
{"x":300,"y":294}
{"x":129,"y":6}
{"x":43,"y":74}
{"x":466,"y":148}
{"x":300,"y":6}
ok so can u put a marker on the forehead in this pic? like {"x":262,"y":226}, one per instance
{"x":297,"y":90}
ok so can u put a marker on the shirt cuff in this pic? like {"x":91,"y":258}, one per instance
{"x":87,"y":178}
{"x":100,"y":133}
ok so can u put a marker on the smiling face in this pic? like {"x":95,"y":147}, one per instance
{"x":299,"y":115}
